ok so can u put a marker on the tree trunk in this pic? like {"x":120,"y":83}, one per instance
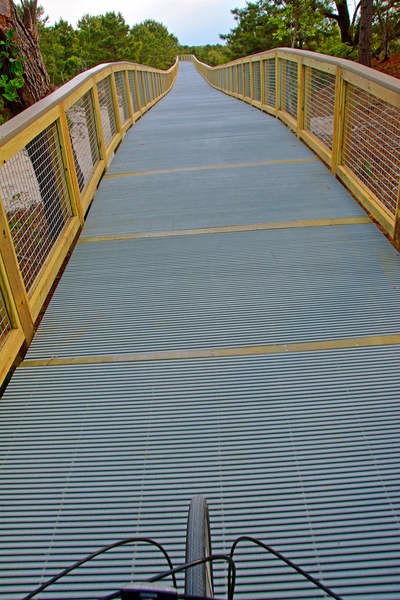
{"x":364,"y":48}
{"x":343,"y":20}
{"x":37,"y":86}
{"x":37,"y":82}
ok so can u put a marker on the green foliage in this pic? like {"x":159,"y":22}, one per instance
{"x":266,"y":24}
{"x":5,"y":113}
{"x":255,"y":29}
{"x":11,"y":68}
{"x":386,"y":28}
{"x":335,"y":47}
{"x":211,"y":54}
{"x":158,"y":47}
{"x":105,"y":38}
{"x":101,"y":39}
{"x":313,"y":25}
{"x":60,"y":49}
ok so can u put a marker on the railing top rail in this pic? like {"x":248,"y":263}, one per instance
{"x":20,"y":122}
{"x":373,"y":75}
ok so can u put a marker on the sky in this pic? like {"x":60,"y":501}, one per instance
{"x":193,"y":22}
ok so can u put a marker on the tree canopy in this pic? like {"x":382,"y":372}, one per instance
{"x":157,"y":47}
{"x":322,"y":25}
{"x":104,"y":38}
{"x":28,"y":73}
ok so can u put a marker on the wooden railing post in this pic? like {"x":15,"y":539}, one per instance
{"x":68,"y":159}
{"x":251,"y":77}
{"x":99,"y":124}
{"x":338,"y":120}
{"x":114,"y":94}
{"x":137,"y":89}
{"x":396,"y":234}
{"x":145,"y":99}
{"x":300,"y":95}
{"x":16,"y":283}
{"x":128,"y":94}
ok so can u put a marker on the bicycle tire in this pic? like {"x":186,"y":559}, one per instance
{"x":198,"y":579}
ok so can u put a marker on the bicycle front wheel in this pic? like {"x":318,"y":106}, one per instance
{"x":198,"y":579}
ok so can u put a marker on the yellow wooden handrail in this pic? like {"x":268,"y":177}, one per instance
{"x":52,"y":157}
{"x":347,"y":113}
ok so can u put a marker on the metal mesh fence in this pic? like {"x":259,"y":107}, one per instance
{"x":107,"y":113}
{"x":154,"y":85}
{"x":5,"y":321}
{"x":135,"y":103}
{"x":270,"y":82}
{"x":223,"y":79}
{"x":140,"y":87}
{"x":36,"y":200}
{"x":247,"y":82}
{"x":371,"y":144}
{"x":122,"y":96}
{"x":288,"y":79}
{"x":147,"y":86}
{"x":319,"y":105}
{"x":229,"y":79}
{"x":240,"y":79}
{"x":158,"y":84}
{"x":163,"y":83}
{"x":234,"y":78}
{"x":256,"y":81}
{"x":84,"y":138}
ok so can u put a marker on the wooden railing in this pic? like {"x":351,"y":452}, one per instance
{"x":53,"y":156}
{"x":348,"y":114}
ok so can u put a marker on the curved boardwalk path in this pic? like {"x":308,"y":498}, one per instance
{"x":227,"y":325}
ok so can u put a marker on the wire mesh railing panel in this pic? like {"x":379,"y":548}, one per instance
{"x":141,"y":90}
{"x":40,"y":197}
{"x":107,"y":113}
{"x":371,"y":144}
{"x":122,"y":96}
{"x":84,"y":138}
{"x":147,"y":86}
{"x":288,"y":86}
{"x":256,"y":81}
{"x":235,"y":78}
{"x":36,"y":200}
{"x":229,"y":79}
{"x":319,"y":105}
{"x":240,"y":79}
{"x":163,"y":83}
{"x":5,"y":321}
{"x":223,"y":79}
{"x":132,"y":87}
{"x":247,"y":81}
{"x":270,"y":82}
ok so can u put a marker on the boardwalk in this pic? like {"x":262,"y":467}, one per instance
{"x":226,"y":325}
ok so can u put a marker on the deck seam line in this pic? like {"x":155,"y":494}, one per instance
{"x":362,"y":220}
{"x":282,"y":348}
{"x":211,"y":167}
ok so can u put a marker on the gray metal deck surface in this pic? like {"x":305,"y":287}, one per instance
{"x":299,"y":448}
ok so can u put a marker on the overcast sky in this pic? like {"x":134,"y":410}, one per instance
{"x":194,"y":22}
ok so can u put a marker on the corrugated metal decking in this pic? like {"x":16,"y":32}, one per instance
{"x":300,"y":449}
{"x":223,"y":290}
